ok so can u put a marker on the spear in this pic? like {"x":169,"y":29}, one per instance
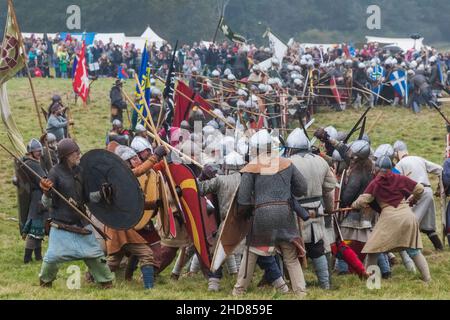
{"x":158,"y":141}
{"x":70,"y":202}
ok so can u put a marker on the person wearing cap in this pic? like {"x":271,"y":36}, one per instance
{"x":318,"y":200}
{"x":118,"y":134}
{"x":118,"y":104}
{"x":397,"y":227}
{"x":33,"y":231}
{"x":435,"y":78}
{"x":56,"y":123}
{"x":131,"y":242}
{"x":256,"y":76}
{"x":357,"y":224}
{"x":267,"y":184}
{"x":70,"y":237}
{"x":49,"y":156}
{"x":417,"y":169}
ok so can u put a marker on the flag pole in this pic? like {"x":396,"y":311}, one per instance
{"x":159,"y":142}
{"x":217,"y":29}
{"x":13,"y":13}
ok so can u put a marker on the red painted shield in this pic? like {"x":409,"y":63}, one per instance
{"x":194,"y":207}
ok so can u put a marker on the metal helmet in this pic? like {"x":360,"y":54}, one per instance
{"x":214,"y":124}
{"x":140,"y":144}
{"x":400,"y":146}
{"x":262,"y":87}
{"x":231,"y":77}
{"x":360,"y":149}
{"x":228,"y":144}
{"x":385,"y":150}
{"x":215,"y":73}
{"x":156,"y":93}
{"x":332,"y":132}
{"x":234,"y":159}
{"x":384,"y":163}
{"x":365,"y":137}
{"x":125,"y":153}
{"x":56,"y":98}
{"x":337,"y":156}
{"x":227,"y":72}
{"x":298,"y":140}
{"x":341,"y":135}
{"x":67,"y":147}
{"x":51,"y":137}
{"x":361,"y":65}
{"x":140,"y":128}
{"x":33,"y":146}
{"x":298,"y":82}
{"x":348,"y":63}
{"x":117,"y":123}
{"x":242,"y":146}
{"x":261,"y":138}
{"x":242,"y":93}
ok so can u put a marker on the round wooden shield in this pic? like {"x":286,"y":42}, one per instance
{"x":149,"y":185}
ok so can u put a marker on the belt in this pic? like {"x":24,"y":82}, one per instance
{"x":425,"y":185}
{"x":309,"y":200}
{"x":70,"y":228}
{"x":273,"y":203}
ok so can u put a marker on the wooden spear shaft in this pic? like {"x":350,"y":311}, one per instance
{"x":158,"y":141}
{"x":212,"y":114}
{"x":167,"y":145}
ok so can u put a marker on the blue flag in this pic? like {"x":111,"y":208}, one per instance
{"x":441,"y":75}
{"x":144,"y":80}
{"x":399,"y":82}
{"x":376,"y":75}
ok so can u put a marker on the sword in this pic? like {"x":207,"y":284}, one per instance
{"x":69,"y":202}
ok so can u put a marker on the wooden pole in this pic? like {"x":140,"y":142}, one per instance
{"x":181,"y":154}
{"x":158,"y":141}
{"x":212,"y":114}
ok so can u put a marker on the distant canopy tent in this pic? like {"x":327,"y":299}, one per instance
{"x":117,"y":38}
{"x":151,"y":36}
{"x":404,"y":43}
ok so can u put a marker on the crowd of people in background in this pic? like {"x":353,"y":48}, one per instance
{"x":367,"y":68}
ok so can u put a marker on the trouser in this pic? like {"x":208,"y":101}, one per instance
{"x":290,"y":258}
{"x":316,"y":252}
{"x":97,"y":268}
{"x":140,"y":250}
{"x":416,"y":255}
{"x":33,"y":243}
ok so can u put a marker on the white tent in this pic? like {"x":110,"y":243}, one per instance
{"x":404,"y":43}
{"x":151,"y":36}
{"x":38,"y":35}
{"x":117,"y":38}
{"x":138,"y":42}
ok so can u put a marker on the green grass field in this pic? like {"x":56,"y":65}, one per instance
{"x":424,"y":133}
